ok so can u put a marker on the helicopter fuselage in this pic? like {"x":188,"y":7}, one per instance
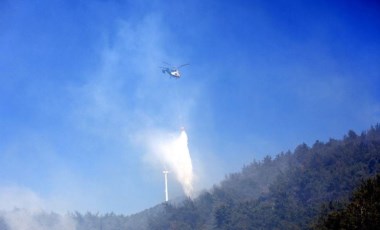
{"x":172,"y":72}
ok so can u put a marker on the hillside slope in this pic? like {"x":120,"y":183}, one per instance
{"x":286,"y":192}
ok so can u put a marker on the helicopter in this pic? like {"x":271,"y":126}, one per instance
{"x":172,"y":71}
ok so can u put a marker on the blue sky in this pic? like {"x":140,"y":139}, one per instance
{"x":81,"y":94}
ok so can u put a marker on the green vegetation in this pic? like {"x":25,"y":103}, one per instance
{"x":362,"y":212}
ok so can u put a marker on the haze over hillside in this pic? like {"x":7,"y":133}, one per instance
{"x":289,"y":191}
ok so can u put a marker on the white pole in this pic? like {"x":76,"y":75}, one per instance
{"x":166,"y":185}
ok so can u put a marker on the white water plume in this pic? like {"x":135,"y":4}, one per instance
{"x":173,"y":153}
{"x":178,"y":157}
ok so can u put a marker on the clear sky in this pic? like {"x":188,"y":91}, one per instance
{"x":82,"y":95}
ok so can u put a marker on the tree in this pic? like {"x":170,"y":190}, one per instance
{"x":363,"y":212}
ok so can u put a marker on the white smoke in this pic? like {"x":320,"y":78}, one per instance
{"x":23,"y":209}
{"x":12,"y":197}
{"x":21,"y":219}
{"x":173,"y":153}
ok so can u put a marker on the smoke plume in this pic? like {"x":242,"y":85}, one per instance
{"x":21,"y":219}
{"x":23,"y":209}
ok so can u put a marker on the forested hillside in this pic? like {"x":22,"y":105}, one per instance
{"x":287,"y":192}
{"x":307,"y":188}
{"x":362,"y":212}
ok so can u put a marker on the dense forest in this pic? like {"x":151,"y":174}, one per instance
{"x":362,"y":212}
{"x":286,"y":192}
{"x":332,"y":185}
